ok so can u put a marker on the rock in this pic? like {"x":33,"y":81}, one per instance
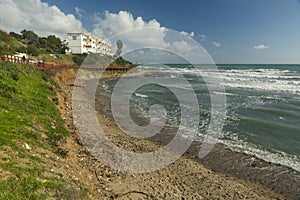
{"x":26,"y":146}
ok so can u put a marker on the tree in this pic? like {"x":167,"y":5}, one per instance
{"x":54,"y":43}
{"x":22,"y":49}
{"x":121,"y":62}
{"x":32,"y":50}
{"x":29,"y":37}
{"x":43,"y":42}
{"x":78,"y":59}
{"x":16,"y":35}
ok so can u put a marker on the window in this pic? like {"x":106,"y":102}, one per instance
{"x":74,"y":37}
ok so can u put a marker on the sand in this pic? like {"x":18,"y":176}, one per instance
{"x":187,"y":178}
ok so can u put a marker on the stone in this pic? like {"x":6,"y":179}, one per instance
{"x":26,"y":146}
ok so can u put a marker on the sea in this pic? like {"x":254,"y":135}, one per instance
{"x":262,"y":105}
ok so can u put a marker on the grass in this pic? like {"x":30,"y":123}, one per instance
{"x":8,"y":44}
{"x":25,"y":102}
{"x":65,"y":59}
{"x":45,"y":57}
{"x":28,"y":115}
{"x":26,"y":188}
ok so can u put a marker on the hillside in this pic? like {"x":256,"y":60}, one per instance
{"x":50,"y":50}
{"x":32,"y":131}
{"x":9,"y":44}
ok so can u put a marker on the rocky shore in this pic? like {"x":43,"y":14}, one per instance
{"x":187,"y":178}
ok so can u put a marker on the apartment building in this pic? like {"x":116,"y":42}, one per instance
{"x":79,"y":43}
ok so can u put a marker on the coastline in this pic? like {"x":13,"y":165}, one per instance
{"x":223,"y":174}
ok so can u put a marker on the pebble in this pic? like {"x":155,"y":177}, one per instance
{"x":27,"y":147}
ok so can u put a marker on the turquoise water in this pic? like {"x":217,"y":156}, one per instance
{"x":263,"y":106}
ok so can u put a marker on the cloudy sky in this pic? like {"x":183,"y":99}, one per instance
{"x":231,"y":31}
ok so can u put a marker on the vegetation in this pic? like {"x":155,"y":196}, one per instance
{"x":30,"y":43}
{"x":121,"y":62}
{"x":41,"y":47}
{"x":100,"y":60}
{"x":36,"y":44}
{"x":97,"y":59}
{"x":31,"y":121}
{"x":8,"y":44}
{"x":29,"y":117}
{"x":64,"y":59}
{"x":78,"y":59}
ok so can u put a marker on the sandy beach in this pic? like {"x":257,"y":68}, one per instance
{"x":223,"y":174}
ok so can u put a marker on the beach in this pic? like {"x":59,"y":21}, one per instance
{"x":223,"y":174}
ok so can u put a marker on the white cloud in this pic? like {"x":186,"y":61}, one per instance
{"x":192,"y":34}
{"x":113,"y":23}
{"x":216,"y":44}
{"x":149,"y":33}
{"x":183,"y":46}
{"x":262,"y":46}
{"x":136,"y":33}
{"x":79,"y":12}
{"x":146,"y":33}
{"x":37,"y":16}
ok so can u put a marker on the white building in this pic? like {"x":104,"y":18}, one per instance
{"x":79,"y":43}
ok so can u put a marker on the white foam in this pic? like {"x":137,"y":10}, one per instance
{"x":261,"y":79}
{"x":277,"y":158}
{"x":141,"y":95}
{"x":258,"y":77}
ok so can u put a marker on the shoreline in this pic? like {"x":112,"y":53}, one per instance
{"x":279,"y":178}
{"x":211,"y":178}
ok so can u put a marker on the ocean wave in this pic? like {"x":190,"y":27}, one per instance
{"x":258,"y":79}
{"x":276,"y":157}
{"x":232,"y":141}
{"x":141,"y":95}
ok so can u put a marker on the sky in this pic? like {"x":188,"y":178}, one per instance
{"x":231,"y":31}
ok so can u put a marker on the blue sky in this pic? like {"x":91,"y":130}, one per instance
{"x":232,"y":31}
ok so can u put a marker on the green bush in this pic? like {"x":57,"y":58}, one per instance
{"x":32,"y":50}
{"x":78,"y":59}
